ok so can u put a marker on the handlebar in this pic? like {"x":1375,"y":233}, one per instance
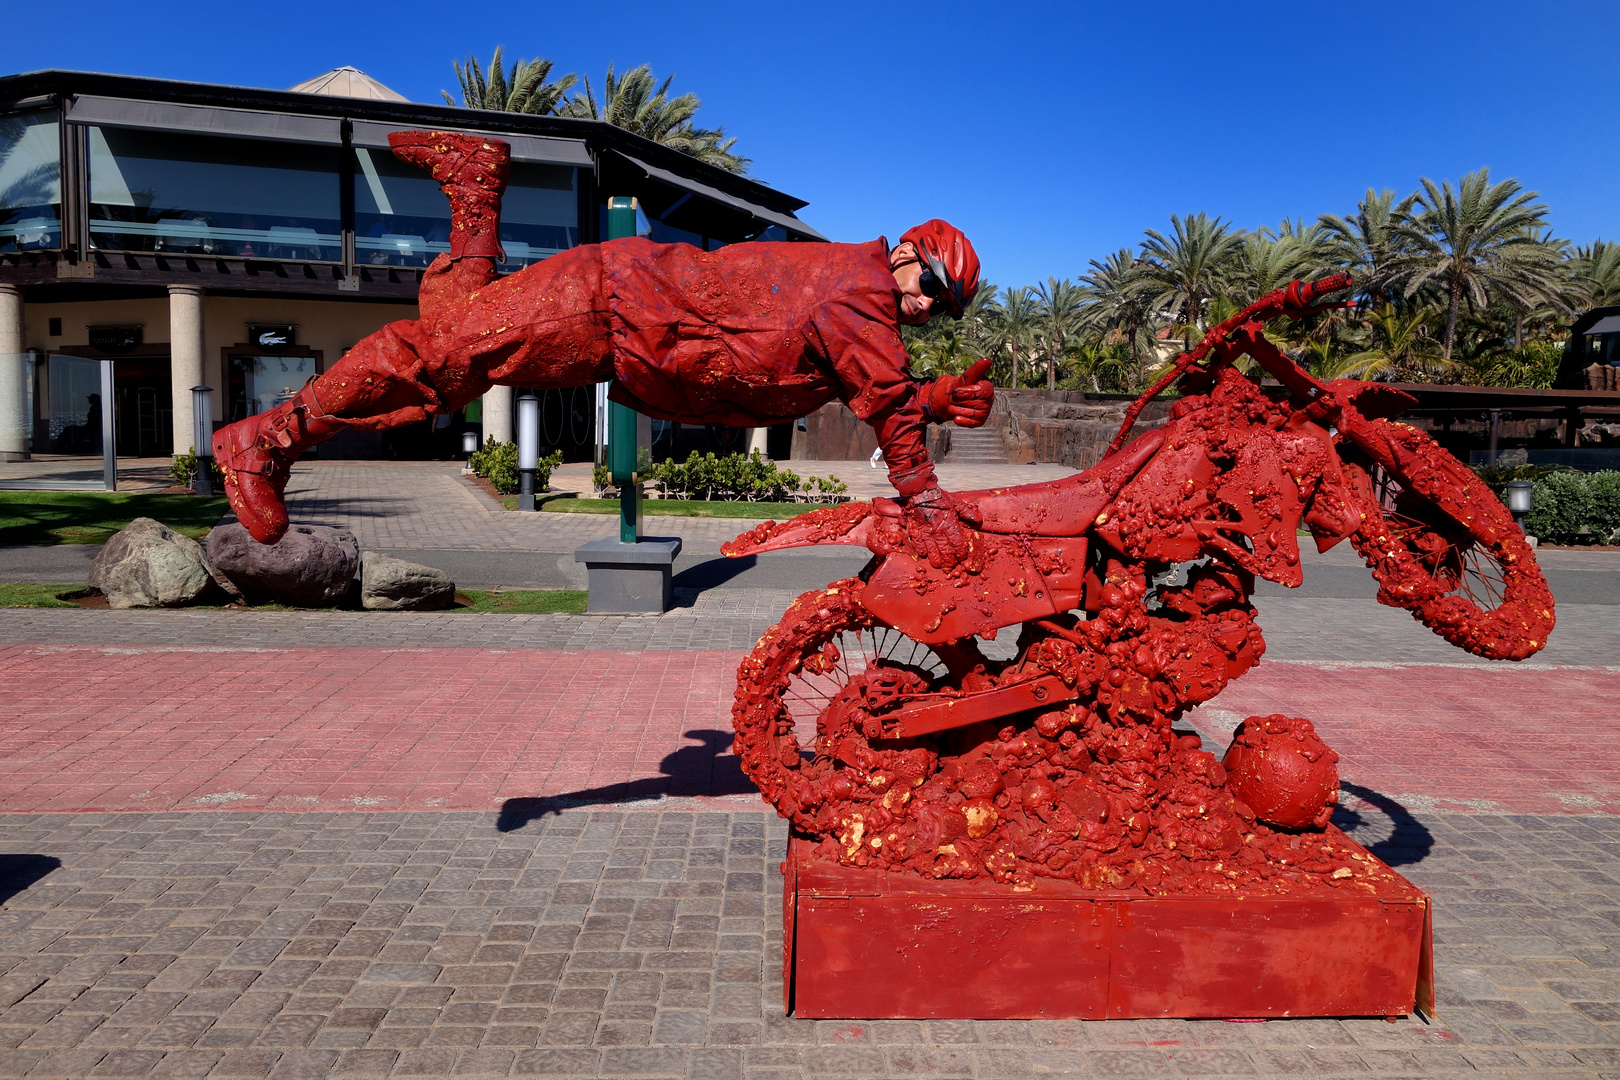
{"x":1295,"y":301}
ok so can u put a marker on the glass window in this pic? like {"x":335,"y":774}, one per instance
{"x":164,"y":191}
{"x":30,"y":182}
{"x":260,"y":383}
{"x":75,"y":403}
{"x":401,"y":218}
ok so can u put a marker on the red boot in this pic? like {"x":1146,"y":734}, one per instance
{"x":256,"y":456}
{"x":472,"y":172}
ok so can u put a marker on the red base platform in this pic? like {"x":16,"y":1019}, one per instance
{"x":868,"y":945}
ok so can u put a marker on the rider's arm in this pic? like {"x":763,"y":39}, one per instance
{"x":859,"y":343}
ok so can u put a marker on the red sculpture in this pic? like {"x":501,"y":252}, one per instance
{"x":748,"y":335}
{"x":928,"y":757}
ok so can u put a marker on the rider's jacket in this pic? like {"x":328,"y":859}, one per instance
{"x":760,"y":333}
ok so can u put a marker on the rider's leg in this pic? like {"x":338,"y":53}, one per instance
{"x":543,"y":326}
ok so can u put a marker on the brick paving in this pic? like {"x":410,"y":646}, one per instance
{"x":604,"y":943}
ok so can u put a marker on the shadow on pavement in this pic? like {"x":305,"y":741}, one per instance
{"x":712,"y":572}
{"x":691,"y":770}
{"x":1409,"y":840}
{"x":18,"y":872}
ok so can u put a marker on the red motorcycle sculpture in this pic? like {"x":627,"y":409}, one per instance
{"x":1129,"y":584}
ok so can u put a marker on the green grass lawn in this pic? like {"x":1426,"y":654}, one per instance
{"x":32,"y":595}
{"x":90,"y":517}
{"x":566,"y":503}
{"x":522,"y":601}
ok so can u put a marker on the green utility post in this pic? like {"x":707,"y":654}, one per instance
{"x":622,"y":420}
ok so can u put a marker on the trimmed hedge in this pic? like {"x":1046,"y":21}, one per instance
{"x":1576,"y":508}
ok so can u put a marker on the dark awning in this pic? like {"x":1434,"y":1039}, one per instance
{"x":539,"y":148}
{"x":1609,"y":324}
{"x":764,"y":215}
{"x":170,"y":116}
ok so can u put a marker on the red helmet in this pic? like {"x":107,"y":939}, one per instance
{"x":950,"y":256}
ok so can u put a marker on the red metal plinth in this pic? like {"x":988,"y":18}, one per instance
{"x":860,"y":945}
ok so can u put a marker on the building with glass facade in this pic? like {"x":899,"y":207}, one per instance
{"x":244,"y":238}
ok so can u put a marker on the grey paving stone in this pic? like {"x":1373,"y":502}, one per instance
{"x":643,"y":976}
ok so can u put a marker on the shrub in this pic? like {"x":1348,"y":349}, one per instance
{"x":497,"y":462}
{"x":184,"y":469}
{"x":1574,"y":508}
{"x":740,"y":478}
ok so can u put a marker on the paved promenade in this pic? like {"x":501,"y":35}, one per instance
{"x":282,"y":844}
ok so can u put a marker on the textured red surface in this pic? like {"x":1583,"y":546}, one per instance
{"x":894,"y":945}
{"x":357,"y":728}
{"x":751,"y":334}
{"x":1061,"y":762}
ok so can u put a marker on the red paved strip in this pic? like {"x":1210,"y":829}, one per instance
{"x":1494,"y":739}
{"x":96,"y":728}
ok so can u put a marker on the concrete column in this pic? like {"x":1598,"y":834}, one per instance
{"x":498,"y":414}
{"x":15,"y":423}
{"x":185,"y":357}
{"x":757,"y":440}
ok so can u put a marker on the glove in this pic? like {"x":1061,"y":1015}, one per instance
{"x":961,"y":399}
{"x":935,"y":523}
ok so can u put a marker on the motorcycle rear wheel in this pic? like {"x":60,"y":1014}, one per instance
{"x":1442,"y":545}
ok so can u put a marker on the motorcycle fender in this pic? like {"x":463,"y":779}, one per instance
{"x":851,"y":523}
{"x":935,"y":606}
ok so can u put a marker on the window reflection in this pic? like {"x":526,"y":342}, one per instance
{"x":260,"y":383}
{"x":30,"y":182}
{"x":401,"y":218}
{"x":206,"y":195}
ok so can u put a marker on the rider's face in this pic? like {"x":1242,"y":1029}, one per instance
{"x":915,"y":307}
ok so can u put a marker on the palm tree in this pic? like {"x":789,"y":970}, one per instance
{"x":1010,"y":324}
{"x":1596,"y":268}
{"x":1364,"y":242}
{"x":1183,"y":271}
{"x":524,"y":88}
{"x":1117,"y":303}
{"x":1057,"y":311}
{"x":1401,"y":347}
{"x":1472,"y":242}
{"x":631,"y":102}
{"x":1268,"y":260}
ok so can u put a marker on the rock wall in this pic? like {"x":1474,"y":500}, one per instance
{"x":1065,"y":427}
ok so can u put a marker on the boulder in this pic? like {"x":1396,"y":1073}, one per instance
{"x":390,"y":584}
{"x":148,"y":564}
{"x":311,"y":566}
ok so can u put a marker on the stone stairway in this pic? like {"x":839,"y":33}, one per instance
{"x":976,"y":446}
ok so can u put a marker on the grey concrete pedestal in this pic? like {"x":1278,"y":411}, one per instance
{"x":629,"y":579}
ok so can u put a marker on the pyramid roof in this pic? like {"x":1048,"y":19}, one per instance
{"x":348,"y":82}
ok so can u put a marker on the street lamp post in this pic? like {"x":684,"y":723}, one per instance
{"x":1520,"y":500}
{"x":528,"y":440}
{"x":469,"y":442}
{"x":202,"y":415}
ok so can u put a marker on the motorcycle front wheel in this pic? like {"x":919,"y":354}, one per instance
{"x":1442,"y":545}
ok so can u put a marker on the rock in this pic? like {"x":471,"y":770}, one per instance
{"x":390,"y":584}
{"x":311,"y":566}
{"x":148,"y":564}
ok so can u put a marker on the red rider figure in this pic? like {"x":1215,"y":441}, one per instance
{"x":749,"y":335}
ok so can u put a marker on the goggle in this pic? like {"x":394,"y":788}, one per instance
{"x":935,"y":289}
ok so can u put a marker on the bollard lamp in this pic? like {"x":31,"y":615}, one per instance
{"x":1520,"y":500}
{"x":469,"y":442}
{"x":528,"y":441}
{"x":202,"y":437}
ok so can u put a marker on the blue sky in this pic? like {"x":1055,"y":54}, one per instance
{"x":1052,"y":133}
